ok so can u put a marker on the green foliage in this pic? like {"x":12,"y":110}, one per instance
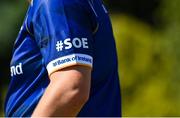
{"x":149,"y":63}
{"x":12,"y":14}
{"x":11,"y":19}
{"x":3,"y":93}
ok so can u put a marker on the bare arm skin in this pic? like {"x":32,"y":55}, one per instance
{"x":66,"y":94}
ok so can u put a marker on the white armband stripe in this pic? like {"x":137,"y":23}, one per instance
{"x":70,"y":60}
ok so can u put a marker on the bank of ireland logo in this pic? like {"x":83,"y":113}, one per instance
{"x":72,"y":43}
{"x":16,"y":70}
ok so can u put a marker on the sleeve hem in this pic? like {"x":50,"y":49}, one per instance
{"x":70,"y":60}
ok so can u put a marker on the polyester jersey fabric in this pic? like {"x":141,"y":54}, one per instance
{"x":57,"y":34}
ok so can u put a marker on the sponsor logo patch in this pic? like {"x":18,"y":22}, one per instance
{"x":66,"y":61}
{"x":16,"y":70}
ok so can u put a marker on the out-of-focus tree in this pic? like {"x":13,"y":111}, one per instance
{"x":144,"y":10}
{"x":12,"y":13}
{"x":148,"y":61}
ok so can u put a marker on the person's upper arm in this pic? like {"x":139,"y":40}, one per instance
{"x":63,"y":30}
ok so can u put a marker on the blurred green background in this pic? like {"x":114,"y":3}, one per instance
{"x":147,"y":35}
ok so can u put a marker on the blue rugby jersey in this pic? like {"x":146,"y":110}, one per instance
{"x":57,"y":34}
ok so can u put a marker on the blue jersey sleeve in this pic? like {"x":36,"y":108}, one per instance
{"x":64,"y":32}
